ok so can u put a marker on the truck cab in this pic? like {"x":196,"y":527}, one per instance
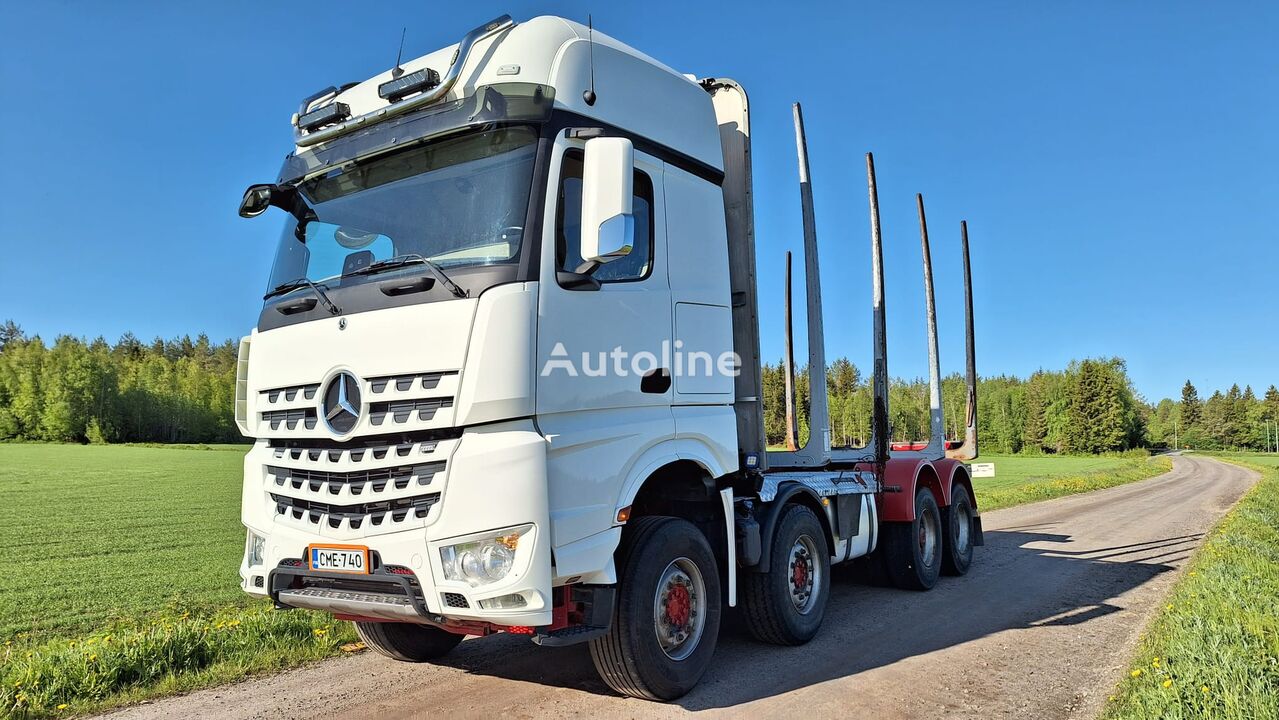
{"x":496,"y":384}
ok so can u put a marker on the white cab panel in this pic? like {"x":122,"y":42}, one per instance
{"x":704,"y":338}
{"x":497,"y":382}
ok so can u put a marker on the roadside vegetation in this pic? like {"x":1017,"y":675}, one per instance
{"x":1213,"y":652}
{"x":121,"y":579}
{"x":1021,"y":479}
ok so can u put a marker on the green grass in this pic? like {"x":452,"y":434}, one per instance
{"x":1214,"y":650}
{"x":121,"y":579}
{"x":96,"y":535}
{"x":1021,"y":479}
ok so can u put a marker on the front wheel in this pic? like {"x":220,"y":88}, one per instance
{"x":666,"y":619}
{"x":913,"y":550}
{"x":407,"y":642}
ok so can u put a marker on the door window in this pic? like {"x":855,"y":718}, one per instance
{"x":568,"y":229}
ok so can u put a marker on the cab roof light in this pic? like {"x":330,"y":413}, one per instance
{"x":334,"y":112}
{"x":405,"y":85}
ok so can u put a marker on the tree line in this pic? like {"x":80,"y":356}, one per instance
{"x":178,"y":390}
{"x":183,"y":390}
{"x":1089,"y":407}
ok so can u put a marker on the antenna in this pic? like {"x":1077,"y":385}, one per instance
{"x":589,"y":95}
{"x":398,"y":71}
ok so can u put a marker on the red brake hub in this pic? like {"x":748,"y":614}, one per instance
{"x":678,"y":605}
{"x":799,"y":576}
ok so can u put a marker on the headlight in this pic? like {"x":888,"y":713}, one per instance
{"x":254,"y":549}
{"x":485,"y":559}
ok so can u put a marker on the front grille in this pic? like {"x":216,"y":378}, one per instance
{"x":456,"y":600}
{"x":290,"y":418}
{"x":291,"y":393}
{"x":399,"y":477}
{"x":375,"y":513}
{"x":401,"y":410}
{"x":403,"y":382}
{"x":355,"y":454}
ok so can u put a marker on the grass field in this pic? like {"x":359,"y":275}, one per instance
{"x":1020,"y":479}
{"x":122,"y":582}
{"x":121,"y":579}
{"x":93,"y":535}
{"x":1214,"y":651}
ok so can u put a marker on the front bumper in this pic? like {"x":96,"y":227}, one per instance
{"x":491,"y":477}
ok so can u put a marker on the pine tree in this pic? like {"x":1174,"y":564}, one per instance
{"x":1191,"y":410}
{"x":1036,"y":428}
{"x":10,"y":332}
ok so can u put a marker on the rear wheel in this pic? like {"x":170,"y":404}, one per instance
{"x":785,"y":605}
{"x":666,"y":619}
{"x":958,"y":555}
{"x":913,"y":550}
{"x":407,"y":642}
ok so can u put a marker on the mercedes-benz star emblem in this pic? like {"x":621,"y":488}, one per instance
{"x":342,"y":403}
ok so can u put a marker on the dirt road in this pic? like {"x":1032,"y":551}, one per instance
{"x":1042,"y":627}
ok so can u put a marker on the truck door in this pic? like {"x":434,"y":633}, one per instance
{"x":604,"y":385}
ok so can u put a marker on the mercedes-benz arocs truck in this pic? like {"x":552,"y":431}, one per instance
{"x":506,"y":377}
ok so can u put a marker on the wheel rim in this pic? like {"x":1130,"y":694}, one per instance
{"x":927,"y":538}
{"x":804,"y":579}
{"x":964,"y":519}
{"x":679,"y":608}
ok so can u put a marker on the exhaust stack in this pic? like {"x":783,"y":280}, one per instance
{"x":968,"y":450}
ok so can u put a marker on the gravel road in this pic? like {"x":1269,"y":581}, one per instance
{"x":1043,"y":626}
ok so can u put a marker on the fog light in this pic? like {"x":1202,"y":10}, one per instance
{"x":254,"y":548}
{"x":485,"y":559}
{"x":513,"y":601}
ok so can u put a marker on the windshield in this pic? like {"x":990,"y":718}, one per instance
{"x":457,"y":201}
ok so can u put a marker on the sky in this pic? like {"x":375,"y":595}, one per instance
{"x":1117,"y":163}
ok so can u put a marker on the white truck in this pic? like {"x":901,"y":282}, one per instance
{"x":506,"y":377}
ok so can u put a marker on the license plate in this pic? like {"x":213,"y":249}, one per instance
{"x":339,"y":558}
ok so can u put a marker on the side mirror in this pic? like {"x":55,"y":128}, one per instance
{"x":608,"y":220}
{"x":256,"y":200}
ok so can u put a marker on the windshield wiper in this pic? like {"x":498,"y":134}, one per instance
{"x":292,"y":285}
{"x":400,"y":261}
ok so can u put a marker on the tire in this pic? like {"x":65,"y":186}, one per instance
{"x":669,"y":584}
{"x":957,"y":554}
{"x":785,"y":605}
{"x":407,"y":642}
{"x":913,"y":550}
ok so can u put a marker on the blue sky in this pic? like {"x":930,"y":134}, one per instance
{"x":1118,"y":162}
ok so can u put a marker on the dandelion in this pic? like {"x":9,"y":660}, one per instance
{"x":1154,"y":663}
{"x":1168,"y":606}
{"x":1167,"y":683}
{"x":1112,"y":698}
{"x":17,"y":685}
{"x":63,"y":706}
{"x":71,"y":644}
{"x":320,"y":632}
{"x":1135,"y":673}
{"x":1204,"y":689}
{"x":93,"y":657}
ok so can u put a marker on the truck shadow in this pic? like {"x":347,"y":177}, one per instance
{"x":1021,"y":579}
